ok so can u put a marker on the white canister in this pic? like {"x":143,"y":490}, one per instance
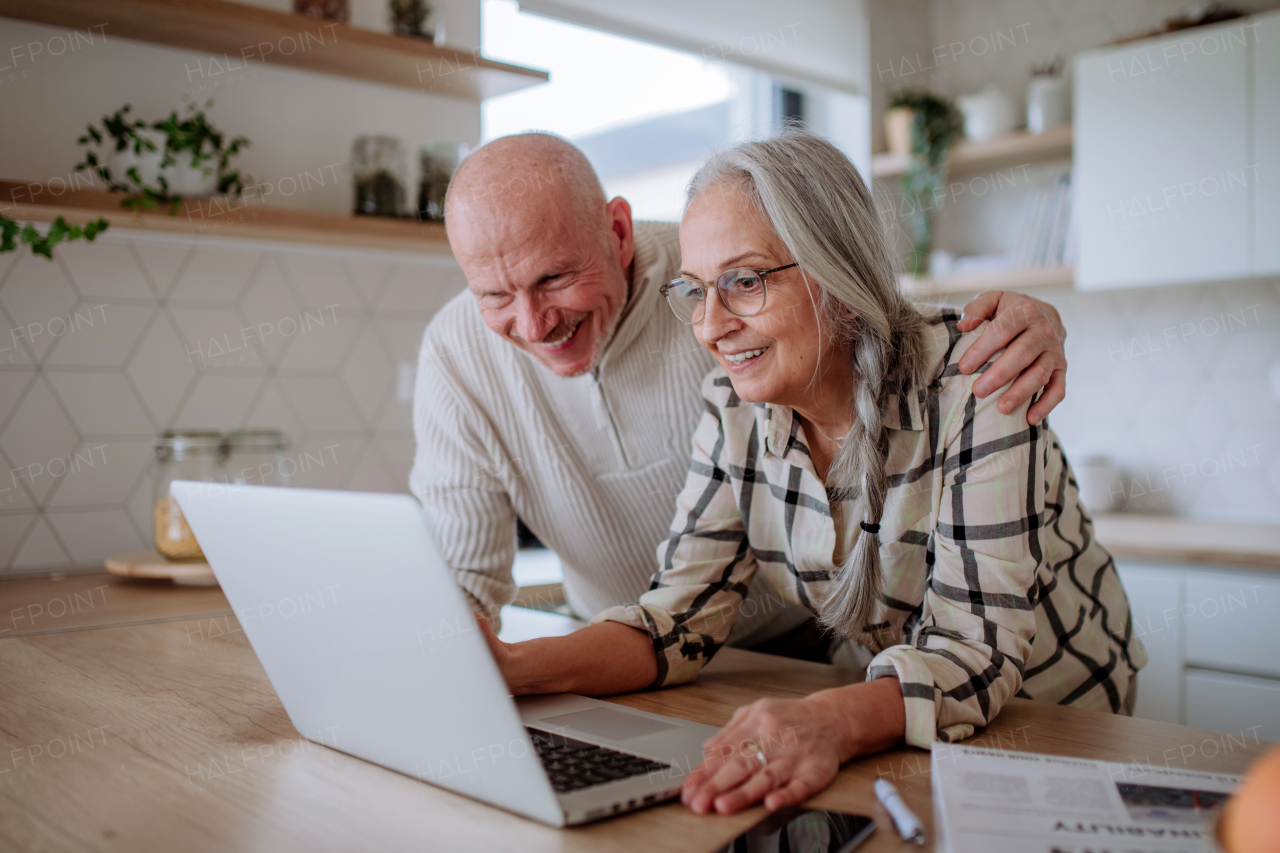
{"x":1101,"y":484}
{"x":1048,"y":103}
{"x":987,"y":114}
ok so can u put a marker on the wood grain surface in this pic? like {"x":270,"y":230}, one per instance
{"x":168,"y":736}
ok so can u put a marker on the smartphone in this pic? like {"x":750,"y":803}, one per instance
{"x":797,"y":830}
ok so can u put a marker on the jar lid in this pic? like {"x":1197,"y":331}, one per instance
{"x":189,"y":440}
{"x":256,"y":440}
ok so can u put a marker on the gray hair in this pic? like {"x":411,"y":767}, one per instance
{"x":818,"y":205}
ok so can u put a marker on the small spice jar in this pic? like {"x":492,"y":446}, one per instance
{"x":381,"y":173}
{"x":255,"y":457}
{"x":183,"y":455}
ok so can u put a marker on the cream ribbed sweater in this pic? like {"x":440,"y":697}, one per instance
{"x":592,"y":464}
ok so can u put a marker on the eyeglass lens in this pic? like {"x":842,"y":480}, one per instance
{"x":742,"y":291}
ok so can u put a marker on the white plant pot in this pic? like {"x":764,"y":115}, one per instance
{"x":1048,"y":103}
{"x":183,"y":179}
{"x":987,"y":114}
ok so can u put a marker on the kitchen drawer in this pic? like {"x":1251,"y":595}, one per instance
{"x":1232,"y":704}
{"x":1230,"y":622}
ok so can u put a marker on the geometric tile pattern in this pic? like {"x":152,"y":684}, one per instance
{"x":113,"y":342}
{"x":1180,"y":388}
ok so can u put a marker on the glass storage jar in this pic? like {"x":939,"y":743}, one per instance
{"x":381,"y":174}
{"x":438,"y":162}
{"x":183,"y":455}
{"x":255,"y":457}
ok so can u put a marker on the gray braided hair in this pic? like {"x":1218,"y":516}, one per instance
{"x":818,"y":205}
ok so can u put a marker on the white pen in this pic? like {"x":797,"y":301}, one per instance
{"x":904,"y":820}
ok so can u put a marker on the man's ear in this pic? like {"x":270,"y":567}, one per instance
{"x":620,"y":224}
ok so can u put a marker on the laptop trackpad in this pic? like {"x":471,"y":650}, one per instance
{"x":609,"y":724}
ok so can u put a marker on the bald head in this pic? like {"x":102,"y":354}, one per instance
{"x":527,"y":174}
{"x":547,"y":258}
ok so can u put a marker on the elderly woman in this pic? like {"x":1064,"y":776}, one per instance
{"x":844,"y":456}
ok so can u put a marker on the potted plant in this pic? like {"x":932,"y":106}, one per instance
{"x":936,"y":124}
{"x":160,"y":162}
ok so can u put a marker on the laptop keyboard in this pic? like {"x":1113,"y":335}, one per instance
{"x":573,"y":764}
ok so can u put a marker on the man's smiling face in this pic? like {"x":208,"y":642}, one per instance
{"x":550,"y":272}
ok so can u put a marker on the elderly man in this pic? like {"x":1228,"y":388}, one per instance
{"x":562,"y":390}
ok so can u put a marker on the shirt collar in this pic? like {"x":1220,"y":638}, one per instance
{"x":902,"y":411}
{"x":649,"y":269}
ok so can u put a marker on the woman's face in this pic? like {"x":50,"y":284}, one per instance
{"x":784,"y":344}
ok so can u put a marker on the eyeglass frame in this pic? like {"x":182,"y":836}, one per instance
{"x":665,"y":290}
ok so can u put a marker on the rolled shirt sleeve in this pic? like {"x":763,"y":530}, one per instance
{"x":705,"y":568}
{"x":978,"y":614}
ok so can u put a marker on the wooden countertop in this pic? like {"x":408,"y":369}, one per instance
{"x":167,"y":734}
{"x":1183,"y":540}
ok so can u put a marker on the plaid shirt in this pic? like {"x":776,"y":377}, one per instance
{"x":993,"y":585}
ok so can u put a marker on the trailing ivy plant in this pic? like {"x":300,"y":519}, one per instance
{"x":12,"y":234}
{"x":192,"y":139}
{"x":936,"y":125}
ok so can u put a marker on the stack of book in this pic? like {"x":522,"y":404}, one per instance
{"x":1046,"y":228}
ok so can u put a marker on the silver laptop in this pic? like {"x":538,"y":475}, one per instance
{"x":374,"y":652}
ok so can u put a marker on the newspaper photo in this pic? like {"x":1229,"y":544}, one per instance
{"x":989,"y":799}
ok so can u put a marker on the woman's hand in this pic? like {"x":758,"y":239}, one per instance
{"x":1032,"y":336}
{"x":804,"y":742}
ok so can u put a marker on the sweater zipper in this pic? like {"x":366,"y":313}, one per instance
{"x":603,"y":403}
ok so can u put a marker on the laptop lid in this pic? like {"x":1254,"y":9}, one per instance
{"x":370,"y":645}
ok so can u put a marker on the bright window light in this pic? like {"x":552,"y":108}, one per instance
{"x":598,"y":80}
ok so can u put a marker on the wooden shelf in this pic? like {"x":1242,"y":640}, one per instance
{"x":231,"y":33}
{"x":223,"y":217}
{"x":1002,"y":279}
{"x":968,"y":158}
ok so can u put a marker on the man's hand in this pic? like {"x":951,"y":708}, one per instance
{"x":1032,"y":336}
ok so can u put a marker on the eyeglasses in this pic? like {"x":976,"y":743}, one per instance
{"x":741,"y":291}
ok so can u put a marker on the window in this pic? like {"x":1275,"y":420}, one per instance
{"x":645,"y":115}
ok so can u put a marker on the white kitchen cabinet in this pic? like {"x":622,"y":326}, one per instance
{"x":1213,"y":643}
{"x":1163,"y":157}
{"x":1155,"y":602}
{"x":1266,"y":145}
{"x":1231,"y":622}
{"x":1233,"y":704}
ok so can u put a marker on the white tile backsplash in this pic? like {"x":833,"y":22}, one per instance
{"x":162,"y":263}
{"x":176,"y":342}
{"x":1172,"y":384}
{"x":100,"y":334}
{"x":87,"y":534}
{"x":105,"y":269}
{"x":101,"y":404}
{"x":40,"y":550}
{"x":38,"y":297}
{"x":103,"y":471}
{"x":38,"y":440}
{"x":161,"y":369}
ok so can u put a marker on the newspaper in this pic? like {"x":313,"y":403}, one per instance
{"x":995,"y":800}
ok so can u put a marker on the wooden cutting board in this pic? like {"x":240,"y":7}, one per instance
{"x":149,"y":564}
